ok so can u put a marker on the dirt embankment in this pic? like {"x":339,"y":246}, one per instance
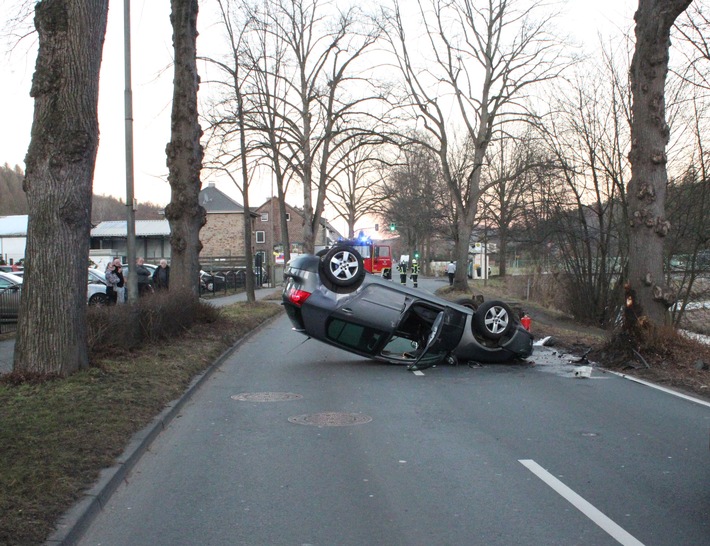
{"x":671,"y":360}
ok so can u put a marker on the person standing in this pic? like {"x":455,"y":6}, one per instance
{"x":114,"y":280}
{"x":451,"y":271}
{"x":161,"y":276}
{"x":402,"y":268}
{"x":415,"y":273}
{"x":144,"y":278}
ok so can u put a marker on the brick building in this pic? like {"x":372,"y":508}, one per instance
{"x":267,"y":230}
{"x":223,"y":234}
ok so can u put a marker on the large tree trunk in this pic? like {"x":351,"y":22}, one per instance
{"x":646,"y":296}
{"x":184,"y":153}
{"x":52,"y":329}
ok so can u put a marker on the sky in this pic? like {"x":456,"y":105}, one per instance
{"x":151,"y":74}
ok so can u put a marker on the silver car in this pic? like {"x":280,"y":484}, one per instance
{"x":330,"y":298}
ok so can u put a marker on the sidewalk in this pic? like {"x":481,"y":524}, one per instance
{"x":7,"y":346}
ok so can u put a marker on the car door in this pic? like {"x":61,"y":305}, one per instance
{"x":363,"y":322}
{"x":376,"y":305}
{"x":425,"y":336}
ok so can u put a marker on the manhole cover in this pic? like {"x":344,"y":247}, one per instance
{"x":266,"y":396}
{"x":330,"y":419}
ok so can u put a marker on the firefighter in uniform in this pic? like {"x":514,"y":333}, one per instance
{"x":402,"y":268}
{"x":415,"y":273}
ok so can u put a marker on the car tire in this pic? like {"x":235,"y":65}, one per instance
{"x":467,"y":302}
{"x":343,"y":266}
{"x":493,"y":320}
{"x":98,"y":299}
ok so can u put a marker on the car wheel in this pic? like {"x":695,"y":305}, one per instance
{"x":467,"y":302}
{"x":343,"y":266}
{"x":98,"y":299}
{"x":493,"y":319}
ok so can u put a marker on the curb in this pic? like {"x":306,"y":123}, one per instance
{"x":72,"y":524}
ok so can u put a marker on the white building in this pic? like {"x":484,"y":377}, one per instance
{"x":152,"y":238}
{"x":13,"y":237}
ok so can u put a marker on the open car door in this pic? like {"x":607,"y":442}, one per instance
{"x":432,"y":354}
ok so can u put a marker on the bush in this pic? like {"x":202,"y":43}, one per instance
{"x":155,"y":317}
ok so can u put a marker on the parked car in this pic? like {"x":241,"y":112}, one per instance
{"x":331,"y":299}
{"x":210,"y":282}
{"x":10,"y":291}
{"x":96,"y":290}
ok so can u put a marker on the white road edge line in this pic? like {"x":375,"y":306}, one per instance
{"x":606,"y":524}
{"x":662,"y":389}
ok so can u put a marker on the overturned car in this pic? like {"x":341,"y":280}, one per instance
{"x":330,"y":298}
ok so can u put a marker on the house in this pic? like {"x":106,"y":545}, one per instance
{"x":267,"y":231}
{"x":13,"y":238}
{"x":223,"y":234}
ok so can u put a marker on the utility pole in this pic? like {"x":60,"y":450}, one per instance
{"x":130,"y":200}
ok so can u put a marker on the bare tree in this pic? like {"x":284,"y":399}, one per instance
{"x":647,"y":297}
{"x":184,"y":153}
{"x":511,"y":165}
{"x":588,"y":139}
{"x":320,"y":81}
{"x":52,"y":329}
{"x":415,"y":199}
{"x":688,"y":209}
{"x":483,"y":60}
{"x":353,"y":191}
{"x":693,"y":28}
{"x":228,"y":120}
{"x":269,"y":54}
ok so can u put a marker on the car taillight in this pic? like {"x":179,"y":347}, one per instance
{"x":297,"y":297}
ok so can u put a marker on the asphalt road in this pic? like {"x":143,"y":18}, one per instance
{"x":291,"y":442}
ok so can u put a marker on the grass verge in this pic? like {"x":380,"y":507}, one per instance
{"x":56,"y":436}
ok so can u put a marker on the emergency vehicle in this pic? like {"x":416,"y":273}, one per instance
{"x":377,"y":257}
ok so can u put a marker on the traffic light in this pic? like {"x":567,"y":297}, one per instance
{"x":377,"y":227}
{"x":393,"y":226}
{"x":416,"y":254}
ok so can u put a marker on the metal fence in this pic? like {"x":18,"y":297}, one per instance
{"x":9,"y":305}
{"x":218,"y":281}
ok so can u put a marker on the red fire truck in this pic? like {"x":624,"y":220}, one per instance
{"x":376,"y":256}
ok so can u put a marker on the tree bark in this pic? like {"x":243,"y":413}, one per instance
{"x":184,"y":153}
{"x":647,"y":299}
{"x":52,"y":329}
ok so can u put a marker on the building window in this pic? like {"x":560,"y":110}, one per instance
{"x":288,"y":216}
{"x":264,"y":216}
{"x":260,"y":236}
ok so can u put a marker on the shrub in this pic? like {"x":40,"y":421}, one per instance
{"x":155,"y":317}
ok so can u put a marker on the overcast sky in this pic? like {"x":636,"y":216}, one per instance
{"x":151,"y":37}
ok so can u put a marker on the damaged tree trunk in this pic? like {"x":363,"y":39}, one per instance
{"x":647,"y":298}
{"x":184,"y":154}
